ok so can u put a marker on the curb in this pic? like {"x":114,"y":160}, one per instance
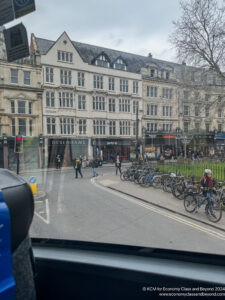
{"x":163,"y":207}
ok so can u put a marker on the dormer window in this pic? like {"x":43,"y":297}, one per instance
{"x":167,"y":75}
{"x":102,"y":61}
{"x":119,"y":64}
{"x":152,"y":72}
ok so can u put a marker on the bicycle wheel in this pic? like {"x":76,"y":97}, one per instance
{"x":178,"y":192}
{"x":143,"y":181}
{"x":167,"y":187}
{"x":190,"y":203}
{"x":156,"y":182}
{"x":123,"y":176}
{"x":213,"y":213}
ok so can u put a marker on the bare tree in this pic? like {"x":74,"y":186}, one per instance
{"x":199,"y":35}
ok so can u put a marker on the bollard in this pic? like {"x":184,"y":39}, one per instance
{"x":33,"y":184}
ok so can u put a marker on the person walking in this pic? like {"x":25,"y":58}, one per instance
{"x":94,"y":165}
{"x":58,"y":161}
{"x":78,"y":165}
{"x":118,"y":164}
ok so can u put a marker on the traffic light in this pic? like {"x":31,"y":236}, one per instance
{"x":41,"y":140}
{"x":5,"y":139}
{"x":18,"y":144}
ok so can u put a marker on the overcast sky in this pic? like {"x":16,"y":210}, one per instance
{"x":133,"y":26}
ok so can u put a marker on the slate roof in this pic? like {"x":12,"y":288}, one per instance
{"x":89,"y":52}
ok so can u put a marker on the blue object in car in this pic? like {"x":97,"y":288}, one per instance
{"x":7,"y":283}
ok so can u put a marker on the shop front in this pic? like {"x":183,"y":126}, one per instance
{"x":107,"y":149}
{"x":68,"y":149}
{"x":220,"y":145}
{"x":203,"y":144}
{"x":160,"y":144}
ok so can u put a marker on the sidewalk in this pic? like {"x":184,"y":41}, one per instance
{"x":158,"y":198}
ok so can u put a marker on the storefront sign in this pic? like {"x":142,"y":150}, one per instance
{"x":169,"y":136}
{"x":220,"y":137}
{"x":112,"y":143}
{"x":104,"y":142}
{"x":69,"y":142}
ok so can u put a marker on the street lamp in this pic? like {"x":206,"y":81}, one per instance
{"x":177,"y":139}
{"x":143,"y":136}
{"x":137,"y":131}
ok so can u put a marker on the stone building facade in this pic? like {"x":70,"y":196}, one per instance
{"x":85,"y":101}
{"x":20,"y":109}
{"x":182,"y":105}
{"x":91,"y":95}
{"x":89,"y":102}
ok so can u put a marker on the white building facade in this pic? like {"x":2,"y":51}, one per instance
{"x":89,"y":102}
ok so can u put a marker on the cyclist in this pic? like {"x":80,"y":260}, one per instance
{"x":208,"y":186}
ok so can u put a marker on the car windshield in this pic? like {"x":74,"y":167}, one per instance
{"x":113,"y":113}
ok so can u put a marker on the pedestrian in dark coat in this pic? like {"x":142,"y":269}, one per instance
{"x":118,"y":164}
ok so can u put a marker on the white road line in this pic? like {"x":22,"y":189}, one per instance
{"x":47,"y":219}
{"x":47,"y":211}
{"x":60,"y":199}
{"x":161,"y":212}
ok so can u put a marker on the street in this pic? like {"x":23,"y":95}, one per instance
{"x":81,"y":209}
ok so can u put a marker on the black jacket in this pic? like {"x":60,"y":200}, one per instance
{"x":94,"y":164}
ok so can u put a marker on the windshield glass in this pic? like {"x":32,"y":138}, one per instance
{"x":116,"y":121}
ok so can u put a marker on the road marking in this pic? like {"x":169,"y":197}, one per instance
{"x":47,"y":211}
{"x":161,"y":212}
{"x":47,"y":219}
{"x":60,"y":199}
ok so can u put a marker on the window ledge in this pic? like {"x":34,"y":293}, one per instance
{"x":65,"y":62}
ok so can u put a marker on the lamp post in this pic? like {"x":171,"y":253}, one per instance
{"x":137,"y":132}
{"x":143,"y":136}
{"x":215,"y":133}
{"x":177,"y":139}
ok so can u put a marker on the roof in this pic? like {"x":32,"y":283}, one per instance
{"x":88,"y":53}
